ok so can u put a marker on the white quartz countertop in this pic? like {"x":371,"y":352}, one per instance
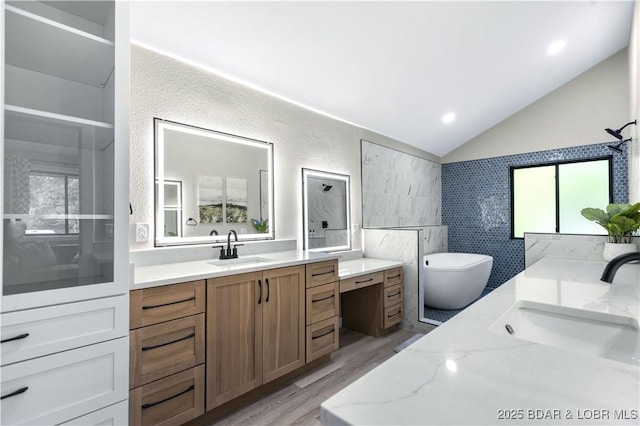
{"x":463,"y":373}
{"x":365,"y":265}
{"x":172,"y":273}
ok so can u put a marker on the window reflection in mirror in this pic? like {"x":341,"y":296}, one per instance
{"x":326,"y":220}
{"x":213,"y":183}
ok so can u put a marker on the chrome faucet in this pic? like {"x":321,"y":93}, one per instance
{"x":615,"y":263}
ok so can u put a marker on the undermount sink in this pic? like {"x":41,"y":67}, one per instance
{"x":239,"y":261}
{"x":600,"y":334}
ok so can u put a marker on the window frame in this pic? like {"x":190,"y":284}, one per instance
{"x":556,"y":164}
{"x":66,"y":176}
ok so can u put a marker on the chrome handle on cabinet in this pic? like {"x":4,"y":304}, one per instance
{"x":14,"y":393}
{"x":169,"y":304}
{"x":147,"y":348}
{"x":324,"y":298}
{"x":266,"y":300}
{"x":260,"y":289}
{"x":364,"y":281}
{"x":324,"y":334}
{"x":18,"y":337}
{"x":153,"y":404}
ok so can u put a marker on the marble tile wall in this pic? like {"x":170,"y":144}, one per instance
{"x":537,"y":246}
{"x":399,"y":189}
{"x":476,"y":203}
{"x":407,"y":245}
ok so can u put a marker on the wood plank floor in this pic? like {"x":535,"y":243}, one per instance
{"x":298,"y":402}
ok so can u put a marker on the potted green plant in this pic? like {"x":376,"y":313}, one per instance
{"x":621,"y":222}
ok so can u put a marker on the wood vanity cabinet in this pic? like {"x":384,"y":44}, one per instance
{"x":322,"y":309}
{"x":372,"y":303}
{"x":167,"y":354}
{"x":255,"y":330}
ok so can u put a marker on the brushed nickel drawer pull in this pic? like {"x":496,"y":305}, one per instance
{"x":394,"y":315}
{"x":324,"y":273}
{"x":14,"y":393}
{"x":394,"y":277}
{"x":324,"y":334}
{"x":394,"y":294}
{"x":364,"y":281}
{"x":153,"y":404}
{"x":146,"y":348}
{"x":169,"y":304}
{"x":18,"y":337}
{"x":324,"y":298}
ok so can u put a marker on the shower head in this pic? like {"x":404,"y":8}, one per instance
{"x":618,"y":133}
{"x":617,"y":146}
{"x":326,"y":188}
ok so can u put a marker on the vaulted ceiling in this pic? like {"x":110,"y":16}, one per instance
{"x":393,"y":67}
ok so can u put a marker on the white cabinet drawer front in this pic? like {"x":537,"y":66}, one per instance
{"x":37,"y":332}
{"x":113,"y":415}
{"x":61,"y":387}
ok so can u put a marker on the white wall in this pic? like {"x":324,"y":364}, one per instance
{"x":634,"y":87}
{"x":574,"y":114}
{"x":166,"y":88}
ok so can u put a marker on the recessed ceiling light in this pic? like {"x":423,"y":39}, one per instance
{"x":556,"y":47}
{"x":448,"y":118}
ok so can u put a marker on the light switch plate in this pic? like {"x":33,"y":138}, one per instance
{"x":142,"y":232}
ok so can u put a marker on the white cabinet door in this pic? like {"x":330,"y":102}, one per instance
{"x":113,"y":415}
{"x":56,"y":388}
{"x":37,"y":332}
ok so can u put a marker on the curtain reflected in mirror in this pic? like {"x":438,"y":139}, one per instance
{"x":326,"y":220}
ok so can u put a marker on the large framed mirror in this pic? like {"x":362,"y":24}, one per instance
{"x":209,"y":183}
{"x":326,"y":211}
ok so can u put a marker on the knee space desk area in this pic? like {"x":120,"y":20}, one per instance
{"x":371,"y":295}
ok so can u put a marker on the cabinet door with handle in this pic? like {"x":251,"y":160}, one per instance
{"x":283,"y":321}
{"x":234,"y":336}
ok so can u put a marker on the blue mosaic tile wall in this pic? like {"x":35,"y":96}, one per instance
{"x":476,"y":202}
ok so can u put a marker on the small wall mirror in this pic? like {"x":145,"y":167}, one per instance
{"x":208,"y":183}
{"x":326,"y":219}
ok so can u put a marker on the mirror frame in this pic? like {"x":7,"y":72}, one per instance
{"x":306,"y":174}
{"x":159,"y":239}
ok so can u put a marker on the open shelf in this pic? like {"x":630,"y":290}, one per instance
{"x":49,"y":47}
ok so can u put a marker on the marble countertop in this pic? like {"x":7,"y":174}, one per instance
{"x":463,"y":373}
{"x":365,"y":265}
{"x":172,"y":273}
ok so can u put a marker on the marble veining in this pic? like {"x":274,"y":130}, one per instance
{"x":537,"y":246}
{"x":399,"y":189}
{"x":463,"y":373}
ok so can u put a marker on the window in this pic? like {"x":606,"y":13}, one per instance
{"x":53,"y":197}
{"x":549,"y":197}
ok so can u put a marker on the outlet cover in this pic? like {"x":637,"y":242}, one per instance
{"x":142,"y":232}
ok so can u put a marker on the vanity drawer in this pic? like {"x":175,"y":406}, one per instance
{"x":173,"y":400}
{"x":323,"y":302}
{"x":392,"y":316}
{"x":54,"y":389}
{"x":361,"y":281}
{"x":393,"y":276}
{"x":392,"y":295}
{"x":164,"y":349}
{"x":322,"y":338}
{"x":37,"y":332}
{"x":322,"y":273}
{"x":158,"y":304}
{"x":116,"y":414}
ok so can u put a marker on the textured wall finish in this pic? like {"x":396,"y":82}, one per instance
{"x":476,"y":203}
{"x":167,"y":88}
{"x":399,"y":189}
